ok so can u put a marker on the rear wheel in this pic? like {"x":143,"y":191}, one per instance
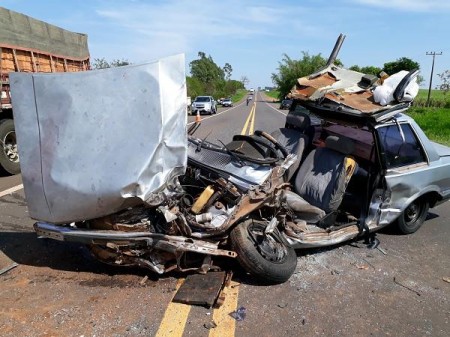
{"x":413,"y":216}
{"x":9,"y":156}
{"x":263,"y":256}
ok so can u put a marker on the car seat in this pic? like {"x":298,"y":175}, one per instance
{"x":321,"y":180}
{"x":294,"y":138}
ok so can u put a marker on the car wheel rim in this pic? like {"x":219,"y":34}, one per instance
{"x":268,"y":247}
{"x":10,"y":147}
{"x":412,"y":213}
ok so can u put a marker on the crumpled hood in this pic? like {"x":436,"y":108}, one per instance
{"x":91,"y":143}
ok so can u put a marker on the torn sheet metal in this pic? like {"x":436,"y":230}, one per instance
{"x":337,"y":91}
{"x":92,"y":142}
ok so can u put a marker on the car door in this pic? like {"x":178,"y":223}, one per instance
{"x":407,"y":173}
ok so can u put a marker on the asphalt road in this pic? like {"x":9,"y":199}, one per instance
{"x":59,"y":290}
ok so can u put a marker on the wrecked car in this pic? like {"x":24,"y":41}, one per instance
{"x":343,"y":167}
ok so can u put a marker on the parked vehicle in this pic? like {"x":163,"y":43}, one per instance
{"x":286,"y":104}
{"x":204,"y":104}
{"x":189,"y":103}
{"x":32,"y":47}
{"x":227,"y":102}
{"x":333,"y":173}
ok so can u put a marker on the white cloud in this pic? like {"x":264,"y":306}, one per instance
{"x":409,"y":5}
{"x":180,"y":25}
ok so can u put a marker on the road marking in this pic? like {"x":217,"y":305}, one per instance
{"x":226,"y":324}
{"x":175,"y":317}
{"x":217,"y":114}
{"x":11,"y":190}
{"x":250,"y":117}
{"x":252,"y":123}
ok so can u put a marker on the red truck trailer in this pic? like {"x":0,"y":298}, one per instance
{"x":31,"y":45}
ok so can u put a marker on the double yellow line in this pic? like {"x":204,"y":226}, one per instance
{"x":250,"y":122}
{"x":176,"y":315}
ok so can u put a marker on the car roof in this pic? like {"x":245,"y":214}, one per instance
{"x":340,"y":93}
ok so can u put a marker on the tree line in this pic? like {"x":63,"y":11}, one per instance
{"x":206,"y":77}
{"x":289,"y":70}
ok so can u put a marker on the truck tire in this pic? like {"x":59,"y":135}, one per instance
{"x":9,"y":157}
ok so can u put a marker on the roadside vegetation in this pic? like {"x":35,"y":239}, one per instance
{"x":435,"y":118}
{"x":207,"y":78}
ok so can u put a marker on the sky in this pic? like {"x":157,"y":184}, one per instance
{"x":253,"y":35}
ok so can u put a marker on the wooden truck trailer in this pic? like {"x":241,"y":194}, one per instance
{"x":30,"y":45}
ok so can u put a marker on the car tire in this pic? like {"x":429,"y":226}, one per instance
{"x":8,"y":135}
{"x":248,"y":245}
{"x":413,"y":216}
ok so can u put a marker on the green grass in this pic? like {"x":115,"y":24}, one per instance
{"x":435,"y":122}
{"x":438,"y":99}
{"x":274,"y":94}
{"x":239,"y":95}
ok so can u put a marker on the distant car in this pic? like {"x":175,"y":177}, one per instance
{"x":286,"y":104}
{"x":227,"y":102}
{"x":204,"y":104}
{"x":220,"y":100}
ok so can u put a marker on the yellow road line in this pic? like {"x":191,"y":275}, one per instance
{"x":252,"y":123}
{"x":225,"y":323}
{"x":175,"y":318}
{"x":250,"y":116}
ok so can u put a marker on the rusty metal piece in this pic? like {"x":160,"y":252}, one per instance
{"x":200,"y":289}
{"x":227,"y":283}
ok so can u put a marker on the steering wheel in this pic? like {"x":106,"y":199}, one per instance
{"x":258,"y":144}
{"x":277,"y":145}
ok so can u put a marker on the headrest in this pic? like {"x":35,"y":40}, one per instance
{"x":299,"y":121}
{"x":340,"y":144}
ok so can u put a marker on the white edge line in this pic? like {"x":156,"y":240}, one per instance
{"x":281,"y":112}
{"x":11,"y":190}
{"x":217,"y":114}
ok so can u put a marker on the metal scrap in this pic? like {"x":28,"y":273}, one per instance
{"x":7,"y":269}
{"x":406,"y":287}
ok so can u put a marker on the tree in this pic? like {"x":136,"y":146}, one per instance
{"x":289,"y":70}
{"x":244,"y":80}
{"x":119,"y":63}
{"x":445,"y":78}
{"x":103,"y":64}
{"x":402,"y":63}
{"x":100,"y":64}
{"x":372,"y":70}
{"x":227,"y":70}
{"x":207,"y":72}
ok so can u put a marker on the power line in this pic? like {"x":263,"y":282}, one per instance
{"x":433,"y":53}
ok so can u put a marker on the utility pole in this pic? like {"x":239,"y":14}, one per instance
{"x":433,"y":53}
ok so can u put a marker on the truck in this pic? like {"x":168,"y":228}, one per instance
{"x":31,"y":45}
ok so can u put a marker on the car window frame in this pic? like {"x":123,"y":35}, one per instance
{"x":402,"y":167}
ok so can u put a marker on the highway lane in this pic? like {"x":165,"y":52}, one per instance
{"x":231,"y":121}
{"x":348,"y":290}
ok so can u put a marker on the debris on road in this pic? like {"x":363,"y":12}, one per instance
{"x":382,"y":250}
{"x":406,"y":287}
{"x":7,"y":269}
{"x":446,"y":279}
{"x":144,"y":280}
{"x":210,"y":325}
{"x":201,"y":289}
{"x":239,"y":314}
